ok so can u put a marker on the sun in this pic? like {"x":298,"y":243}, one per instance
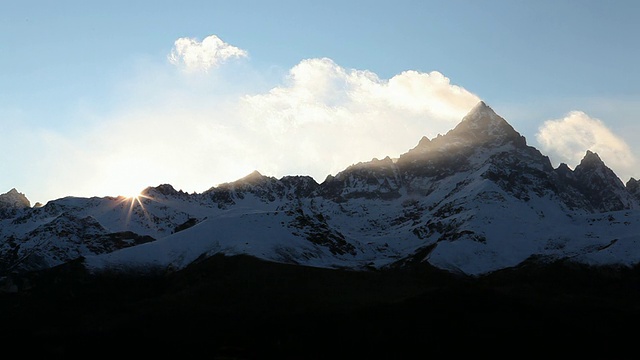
{"x":133,"y":199}
{"x":135,"y":196}
{"x":135,"y":203}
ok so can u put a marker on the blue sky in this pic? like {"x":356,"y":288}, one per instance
{"x":92,"y":104}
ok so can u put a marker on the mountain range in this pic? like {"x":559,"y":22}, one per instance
{"x":474,"y":203}
{"x":475,"y":200}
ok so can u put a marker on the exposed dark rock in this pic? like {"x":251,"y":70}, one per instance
{"x":600,"y":185}
{"x":633,"y":186}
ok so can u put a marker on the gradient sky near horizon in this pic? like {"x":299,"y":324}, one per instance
{"x":107,"y":98}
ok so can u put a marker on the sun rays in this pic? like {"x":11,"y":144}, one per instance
{"x":135,"y":204}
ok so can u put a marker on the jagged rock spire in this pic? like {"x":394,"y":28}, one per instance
{"x":601,"y":185}
{"x":12,"y":202}
{"x":483,"y":126}
{"x":633,"y":186}
{"x":14,"y":199}
{"x":592,"y":165}
{"x":591,"y":159}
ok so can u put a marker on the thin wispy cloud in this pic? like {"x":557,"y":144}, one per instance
{"x":193,"y":55}
{"x":566,"y":141}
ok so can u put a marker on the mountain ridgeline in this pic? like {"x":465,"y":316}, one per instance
{"x":473,"y":201}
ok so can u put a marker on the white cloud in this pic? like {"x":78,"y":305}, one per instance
{"x":566,"y":141}
{"x":326,"y":117}
{"x":320,"y":83}
{"x":193,"y":55}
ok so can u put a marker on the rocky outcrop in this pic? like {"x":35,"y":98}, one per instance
{"x":12,"y":202}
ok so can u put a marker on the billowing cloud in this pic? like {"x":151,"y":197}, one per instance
{"x":566,"y":141}
{"x":193,"y":55}
{"x":316,"y":84}
{"x":334,"y":117}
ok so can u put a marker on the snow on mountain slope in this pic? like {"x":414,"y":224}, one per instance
{"x":475,"y":200}
{"x":258,"y":233}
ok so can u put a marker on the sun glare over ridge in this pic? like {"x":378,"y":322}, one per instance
{"x":134,"y":196}
{"x":134,"y":203}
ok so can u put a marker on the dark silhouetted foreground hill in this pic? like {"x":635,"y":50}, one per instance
{"x":244,"y":308}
